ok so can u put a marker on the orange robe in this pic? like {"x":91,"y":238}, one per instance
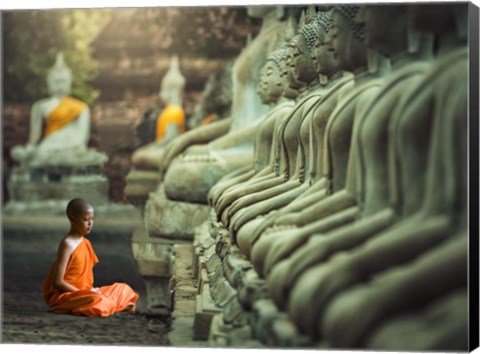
{"x":79,"y":272}
{"x":210,"y":118}
{"x":170,"y":115}
{"x":67,"y":111}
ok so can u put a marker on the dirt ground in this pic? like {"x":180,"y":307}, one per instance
{"x":27,"y":255}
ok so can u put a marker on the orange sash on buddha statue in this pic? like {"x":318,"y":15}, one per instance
{"x":210,"y":118}
{"x":79,"y":273}
{"x":170,"y":115}
{"x":67,"y":111}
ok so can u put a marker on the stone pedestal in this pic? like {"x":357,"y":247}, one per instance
{"x":155,"y":262}
{"x":57,"y":184}
{"x":171,"y":219}
{"x":140,"y":183}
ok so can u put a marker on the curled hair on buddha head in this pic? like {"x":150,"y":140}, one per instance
{"x":309,"y":33}
{"x":278,"y":55}
{"x":349,"y":12}
{"x":325,"y":20}
{"x":76,"y":207}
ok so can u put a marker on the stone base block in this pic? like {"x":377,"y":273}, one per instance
{"x":140,"y":183}
{"x":205,"y":310}
{"x":159,"y":295}
{"x":154,"y":257}
{"x":173,"y":220}
{"x":30,"y":186}
{"x":218,"y":336}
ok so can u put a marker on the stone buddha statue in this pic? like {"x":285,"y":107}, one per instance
{"x":425,"y":256}
{"x":427,"y":227}
{"x":373,"y":194}
{"x":337,"y":158}
{"x":252,"y":186}
{"x":56,"y":162}
{"x":329,"y":93}
{"x":170,"y":123}
{"x":216,"y":99}
{"x":207,"y":164}
{"x":59,"y":126}
{"x":270,"y":89}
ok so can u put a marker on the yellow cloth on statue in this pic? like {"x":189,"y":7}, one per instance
{"x":66,"y":111}
{"x":210,"y":118}
{"x":170,"y":115}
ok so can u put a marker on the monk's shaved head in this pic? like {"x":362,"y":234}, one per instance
{"x":77,"y":207}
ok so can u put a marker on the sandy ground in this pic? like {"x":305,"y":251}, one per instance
{"x":27,"y":254}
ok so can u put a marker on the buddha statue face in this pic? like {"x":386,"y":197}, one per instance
{"x":273,"y":81}
{"x":59,"y":78}
{"x":262,"y":86}
{"x":338,"y":41}
{"x":288,"y":91}
{"x":322,"y":56}
{"x":430,"y":18}
{"x":59,"y":83}
{"x":171,"y":87}
{"x":385,"y":26}
{"x":301,"y":70}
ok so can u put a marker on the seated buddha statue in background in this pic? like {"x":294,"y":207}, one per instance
{"x":170,"y":123}
{"x":59,"y":126}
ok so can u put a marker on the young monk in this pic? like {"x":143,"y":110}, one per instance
{"x":69,"y":284}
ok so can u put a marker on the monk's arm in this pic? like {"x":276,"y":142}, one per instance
{"x":63,"y":255}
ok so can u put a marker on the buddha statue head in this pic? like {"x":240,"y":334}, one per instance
{"x":321,"y":55}
{"x":218,"y":91}
{"x":440,"y":19}
{"x":171,"y":88}
{"x":346,"y":38}
{"x":385,"y":26}
{"x":272,"y":80}
{"x":59,"y":78}
{"x":300,"y":67}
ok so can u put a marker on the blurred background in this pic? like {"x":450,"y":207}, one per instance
{"x":118,"y":58}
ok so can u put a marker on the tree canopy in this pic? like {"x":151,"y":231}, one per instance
{"x":31,"y":40}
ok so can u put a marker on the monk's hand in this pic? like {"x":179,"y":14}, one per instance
{"x":96,"y":290}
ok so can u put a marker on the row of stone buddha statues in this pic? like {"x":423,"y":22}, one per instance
{"x":352,"y":206}
{"x":340,"y":174}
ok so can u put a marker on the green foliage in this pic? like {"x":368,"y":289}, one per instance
{"x":31,"y":41}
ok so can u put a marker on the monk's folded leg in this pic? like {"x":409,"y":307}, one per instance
{"x":120,"y":294}
{"x":76,"y":303}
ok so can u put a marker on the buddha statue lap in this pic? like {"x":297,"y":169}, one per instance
{"x":440,"y":326}
{"x":419,"y":235}
{"x":337,"y":204}
{"x":191,"y":175}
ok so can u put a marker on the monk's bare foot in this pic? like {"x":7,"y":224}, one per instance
{"x":129,"y":308}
